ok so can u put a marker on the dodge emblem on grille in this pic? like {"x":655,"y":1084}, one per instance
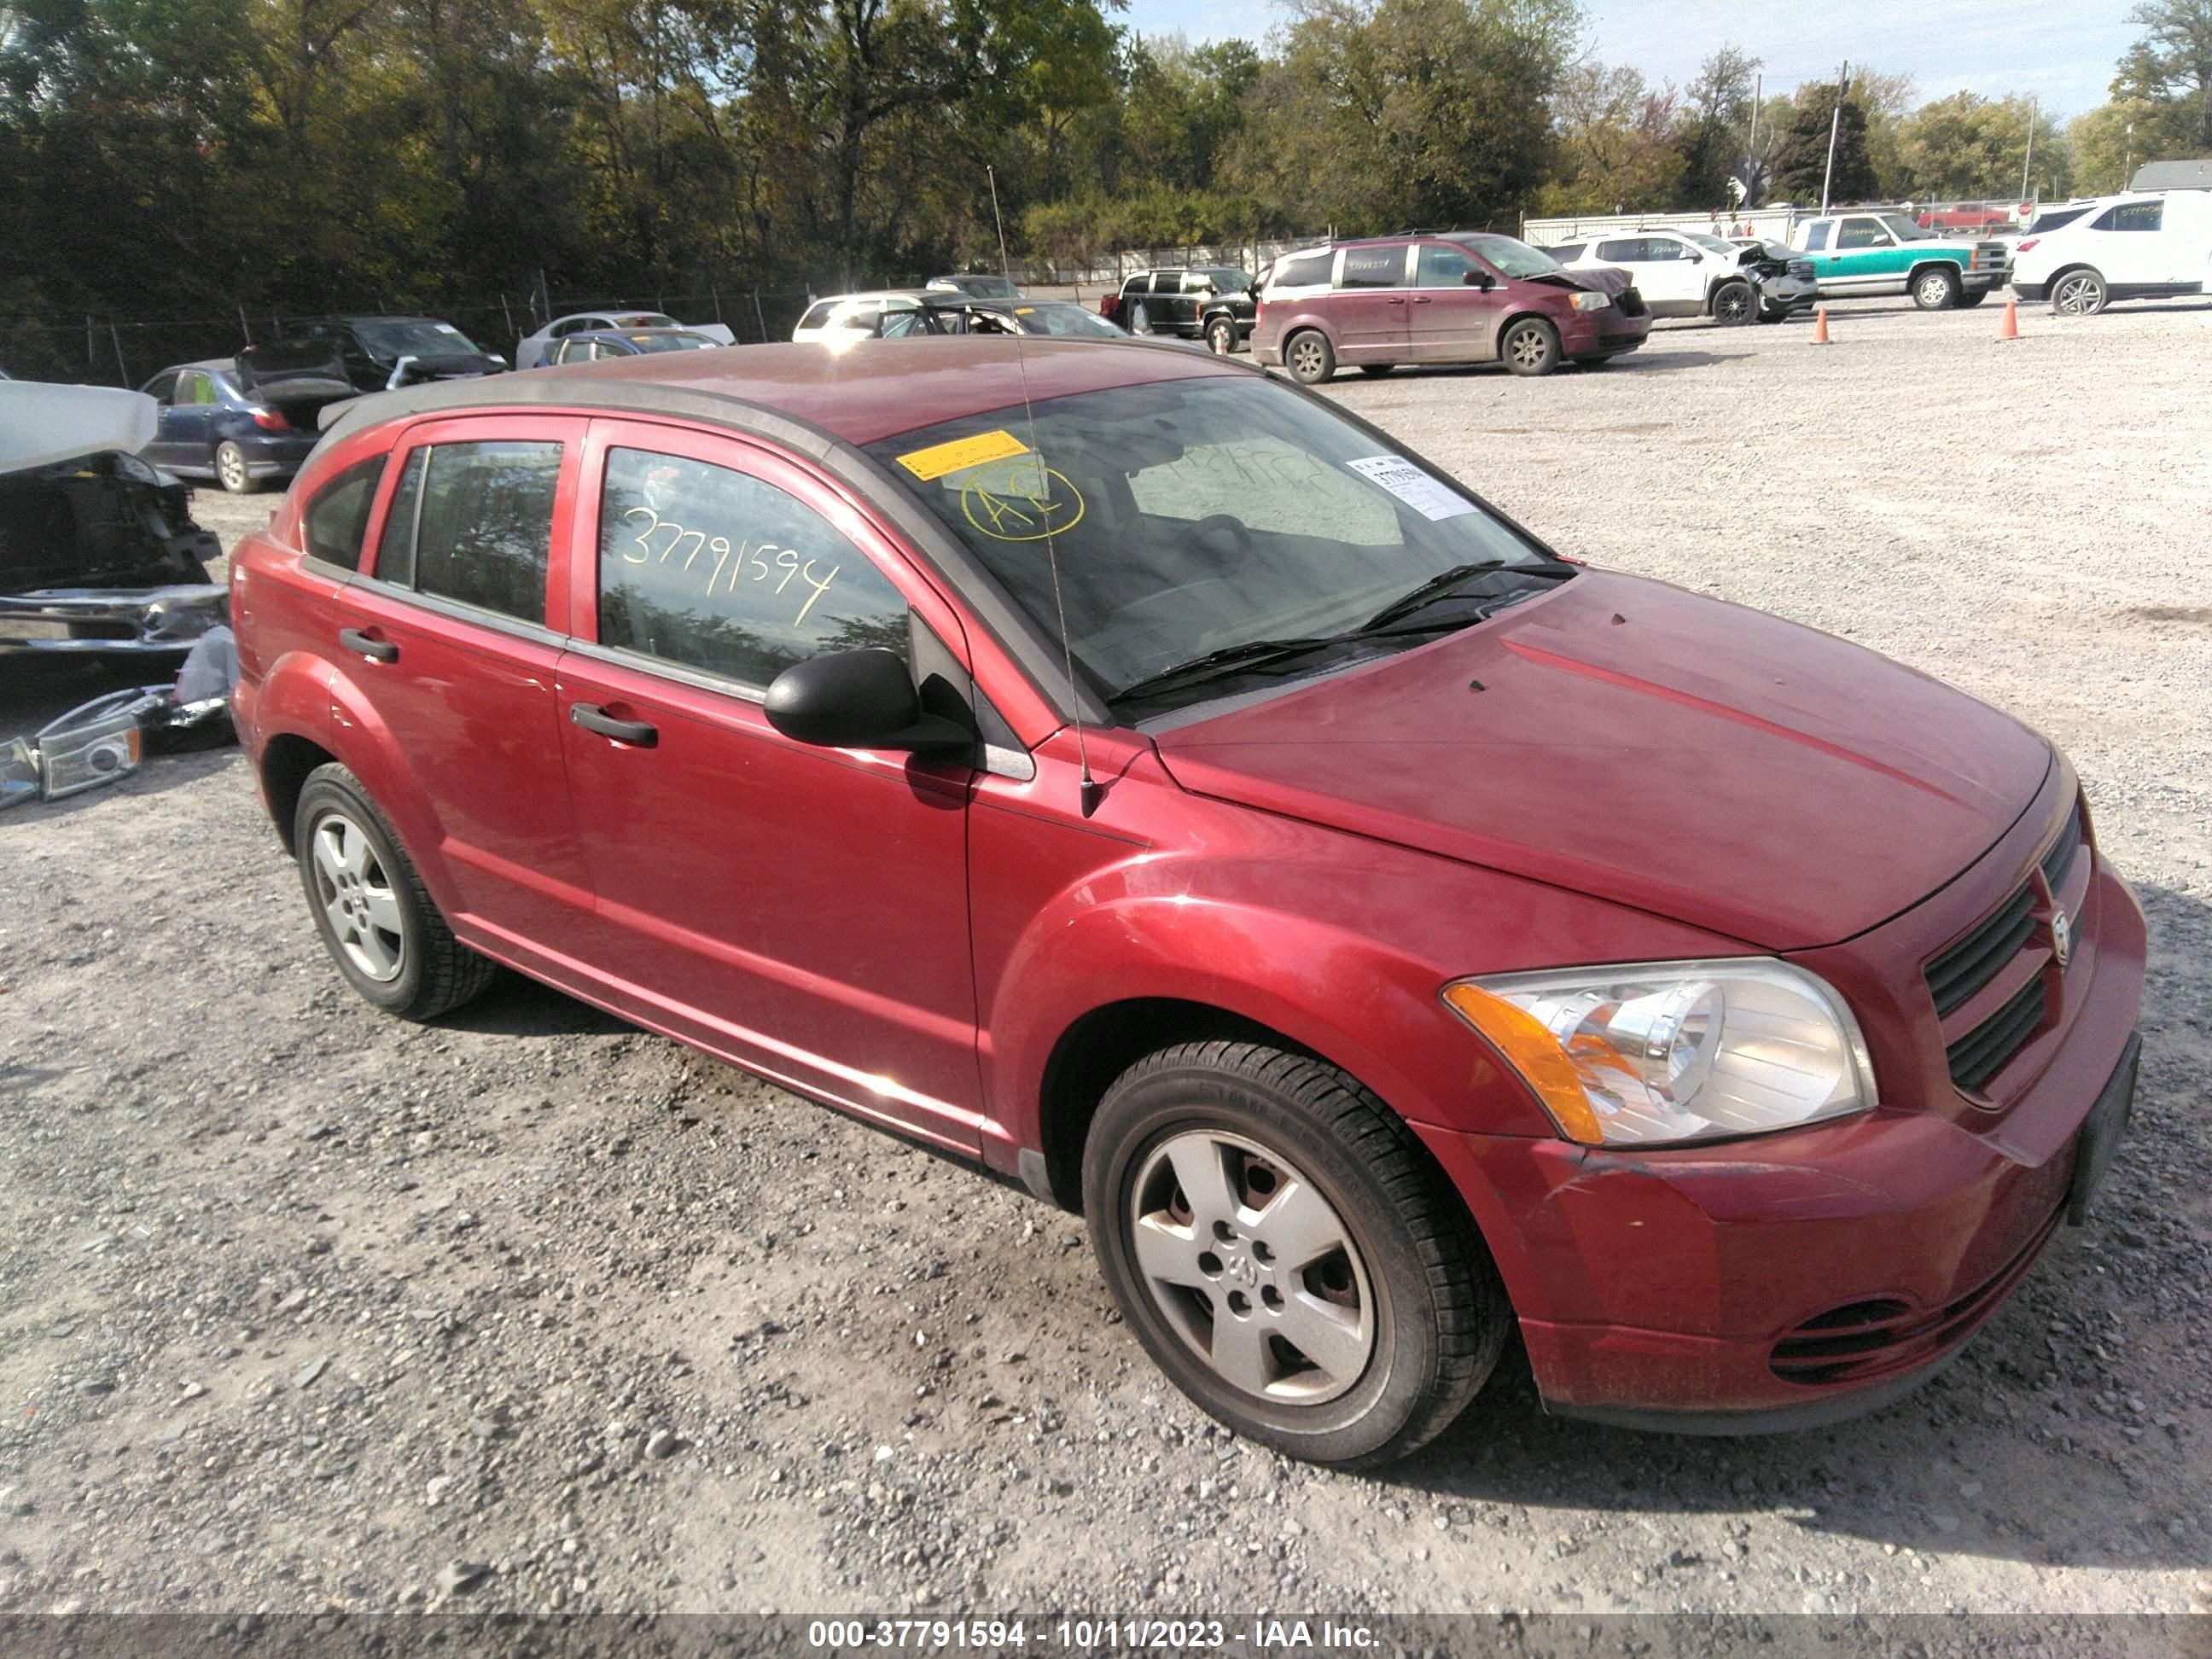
{"x":2061,"y":937}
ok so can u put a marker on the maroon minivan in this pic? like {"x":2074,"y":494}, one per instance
{"x":1442,"y":297}
{"x":1145,"y":779}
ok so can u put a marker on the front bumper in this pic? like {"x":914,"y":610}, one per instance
{"x":1981,"y":280}
{"x":94,"y":621}
{"x":1693,"y":1288}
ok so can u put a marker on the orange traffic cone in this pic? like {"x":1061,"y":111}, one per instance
{"x":2008,"y":326}
{"x":1820,"y":325}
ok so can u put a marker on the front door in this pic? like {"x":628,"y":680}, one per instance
{"x":800,"y":911}
{"x":1370,"y":307}
{"x":448,"y":621}
{"x":162,"y":389}
{"x":1867,"y":258}
{"x":187,"y":427}
{"x":1452,"y":314}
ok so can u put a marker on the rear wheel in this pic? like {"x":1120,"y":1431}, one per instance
{"x":1530,"y":346}
{"x":2079,"y":294}
{"x":377,"y":920}
{"x":1936,"y":288}
{"x":1287,"y":1253}
{"x":1221,"y":336}
{"x":1310,"y":357}
{"x":231,"y":471}
{"x":1733,"y":303}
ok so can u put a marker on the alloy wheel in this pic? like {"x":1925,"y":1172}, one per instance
{"x":1252,"y":1268}
{"x":2078,"y":296}
{"x":230,"y":469}
{"x":1527,"y":347}
{"x":1306,"y":360}
{"x":1934,"y":291}
{"x":357,"y":898}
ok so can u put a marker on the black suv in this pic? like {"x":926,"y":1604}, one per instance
{"x":373,"y":347}
{"x":1213,"y":303}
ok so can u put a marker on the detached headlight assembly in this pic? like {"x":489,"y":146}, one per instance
{"x":1657,"y":1053}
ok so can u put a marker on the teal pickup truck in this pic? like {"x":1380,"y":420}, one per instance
{"x":1867,"y":252}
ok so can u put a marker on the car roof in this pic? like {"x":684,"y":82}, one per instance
{"x":855,"y":397}
{"x":872,"y":296}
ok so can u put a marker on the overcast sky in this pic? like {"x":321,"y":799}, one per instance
{"x":2062,"y":55}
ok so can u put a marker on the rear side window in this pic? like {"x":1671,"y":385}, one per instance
{"x":2132,"y":216}
{"x":1623,"y":250}
{"x":1374,"y":267}
{"x":482,"y":518}
{"x":1302,"y":269}
{"x":818,"y":316}
{"x":338,"y":519}
{"x":713,"y":568}
{"x":1817,"y":237}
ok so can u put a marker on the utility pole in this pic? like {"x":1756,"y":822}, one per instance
{"x":1751,"y":158}
{"x":2030,"y":159}
{"x":1835,"y":121}
{"x":2128,"y":166}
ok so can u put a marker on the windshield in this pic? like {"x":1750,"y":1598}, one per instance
{"x":1058,"y":317}
{"x":1188,"y":516}
{"x":414,"y":339}
{"x":669,"y":341}
{"x":1512,"y":258}
{"x":1905,"y":230}
{"x":645,"y":319}
{"x":1227,"y":279}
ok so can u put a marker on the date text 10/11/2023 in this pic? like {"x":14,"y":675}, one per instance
{"x":1285,"y":1636}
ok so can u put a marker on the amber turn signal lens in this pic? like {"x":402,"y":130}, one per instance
{"x":1534,"y":1053}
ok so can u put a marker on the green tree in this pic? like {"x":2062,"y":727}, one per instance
{"x":1714,"y":128}
{"x":2172,"y":64}
{"x":1614,"y":144}
{"x":1964,"y":147}
{"x":1802,"y":162}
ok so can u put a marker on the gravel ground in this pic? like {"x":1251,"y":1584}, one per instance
{"x":302,"y":1308}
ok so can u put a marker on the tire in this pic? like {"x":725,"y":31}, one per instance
{"x":230,"y":470}
{"x":1968,"y":301}
{"x":1936,"y":288}
{"x":396,"y":950}
{"x":1376,"y":370}
{"x":1529,"y":346}
{"x":1395,"y":1293}
{"x":1309,"y":357}
{"x":2080,"y":293}
{"x":1140,"y":318}
{"x":1734,"y":304}
{"x":1221,"y":336}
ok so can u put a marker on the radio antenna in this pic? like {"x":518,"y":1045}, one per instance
{"x":1089,"y":793}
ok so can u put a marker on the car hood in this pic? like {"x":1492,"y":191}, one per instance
{"x":1600,"y":279}
{"x":1642,"y":743}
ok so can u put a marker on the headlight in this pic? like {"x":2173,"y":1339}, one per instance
{"x":1672,"y":1051}
{"x":1588,"y":301}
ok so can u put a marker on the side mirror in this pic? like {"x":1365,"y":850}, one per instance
{"x":857,"y":700}
{"x":1481,"y":279}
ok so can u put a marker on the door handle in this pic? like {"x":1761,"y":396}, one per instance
{"x":368,"y":645}
{"x":1420,"y":298}
{"x":639,"y":734}
{"x":1397,"y":299}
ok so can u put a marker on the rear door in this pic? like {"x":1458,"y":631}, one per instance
{"x":445,"y":632}
{"x":801,"y":911}
{"x":1370,"y":307}
{"x":1451,"y":319}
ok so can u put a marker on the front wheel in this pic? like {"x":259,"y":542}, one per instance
{"x":231,"y":471}
{"x":1221,"y":337}
{"x":376,"y":919}
{"x":1310,"y":357}
{"x":1734,"y":304}
{"x":1530,"y":346}
{"x":1287,"y":1253}
{"x":2079,"y":294}
{"x":1936,"y":289}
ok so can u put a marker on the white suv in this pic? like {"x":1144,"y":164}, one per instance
{"x":1680,"y":273}
{"x":2142,"y":245}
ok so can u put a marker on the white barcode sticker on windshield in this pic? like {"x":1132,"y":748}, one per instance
{"x":1410,"y":485}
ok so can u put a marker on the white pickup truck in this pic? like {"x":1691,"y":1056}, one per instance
{"x":1874,"y":252}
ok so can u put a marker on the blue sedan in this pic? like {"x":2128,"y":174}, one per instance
{"x":236,"y":430}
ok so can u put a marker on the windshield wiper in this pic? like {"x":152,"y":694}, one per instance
{"x":1445,"y":582}
{"x":1249,"y":657}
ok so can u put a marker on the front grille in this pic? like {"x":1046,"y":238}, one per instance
{"x":1980,"y":1054}
{"x":1630,"y":302}
{"x":1864,"y":1340}
{"x":2058,"y":862}
{"x":1958,"y":976}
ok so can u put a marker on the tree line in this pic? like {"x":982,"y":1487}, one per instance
{"x":186,"y":157}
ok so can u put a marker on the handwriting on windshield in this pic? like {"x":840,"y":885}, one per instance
{"x":1019,"y":501}
{"x":722,"y":564}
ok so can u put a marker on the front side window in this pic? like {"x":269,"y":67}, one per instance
{"x":338,"y":518}
{"x":1438,"y":266}
{"x":1190,"y":516}
{"x":1861,"y":232}
{"x":2132,"y":216}
{"x":1511,"y":256}
{"x":1374,"y":267}
{"x":712,"y":569}
{"x":473,"y":522}
{"x":1661,"y":248}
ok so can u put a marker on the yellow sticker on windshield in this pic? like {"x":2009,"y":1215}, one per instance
{"x":1023,"y":311}
{"x":938,"y":460}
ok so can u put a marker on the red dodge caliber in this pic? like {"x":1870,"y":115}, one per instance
{"x":1136,"y":774}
